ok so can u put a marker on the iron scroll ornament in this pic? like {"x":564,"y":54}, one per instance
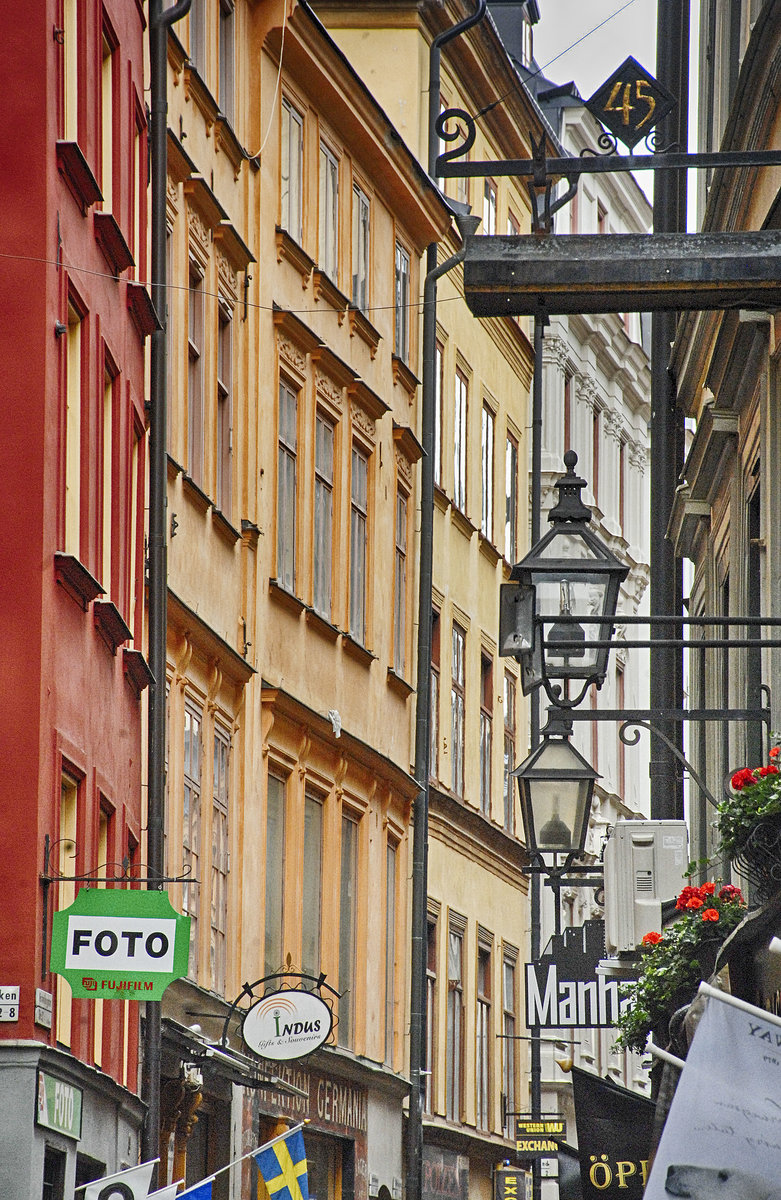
{"x":459,"y":115}
{"x":629,"y":734}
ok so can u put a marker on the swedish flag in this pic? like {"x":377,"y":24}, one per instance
{"x":283,"y":1167}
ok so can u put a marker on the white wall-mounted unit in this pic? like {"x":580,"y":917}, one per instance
{"x":644,"y":866}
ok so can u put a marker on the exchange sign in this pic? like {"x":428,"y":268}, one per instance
{"x":120,"y":945}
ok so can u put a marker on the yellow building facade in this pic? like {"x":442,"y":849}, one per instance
{"x":297,"y":220}
{"x":478,"y":921}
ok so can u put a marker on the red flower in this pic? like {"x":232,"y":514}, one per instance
{"x":731,"y":894}
{"x":743,"y":778}
{"x":695,"y":902}
{"x":707,"y":889}
{"x":651,"y":939}
{"x":774,"y":753}
{"x":710,"y":914}
{"x":686,"y":896}
{"x":771,"y":770}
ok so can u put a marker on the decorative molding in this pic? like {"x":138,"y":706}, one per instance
{"x":555,"y":352}
{"x":292,"y":355}
{"x":586,"y":391}
{"x":112,"y":243}
{"x":329,"y":390}
{"x":614,"y":424}
{"x":638,"y":456}
{"x":227,"y":275}
{"x":198,"y":229}
{"x":404,"y":467}
{"x":289,"y":249}
{"x":172,"y":195}
{"x":363,"y":422}
{"x":360,"y":324}
{"x":77,"y":173}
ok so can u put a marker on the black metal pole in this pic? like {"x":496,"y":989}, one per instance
{"x":535,"y":898}
{"x":159,"y":22}
{"x":666,"y":592}
{"x":419,"y":914}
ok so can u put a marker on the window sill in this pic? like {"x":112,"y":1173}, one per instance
{"x":360,"y":324}
{"x":462,"y":522}
{"x":285,"y":598}
{"x":488,"y":549}
{"x":195,"y":86}
{"x":403,"y":375}
{"x":142,"y":310}
{"x":322,"y":626}
{"x":137,"y":671}
{"x":441,"y":498}
{"x":196,"y":493}
{"x":109,"y":237}
{"x":227,"y":532}
{"x":325,"y":288}
{"x":289,"y":249}
{"x":76,"y":172}
{"x":76,"y":580}
{"x":226,"y":140}
{"x":398,"y":684}
{"x":110,"y":624}
{"x":357,"y":651}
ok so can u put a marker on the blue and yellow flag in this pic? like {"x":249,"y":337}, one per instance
{"x":283,"y":1167}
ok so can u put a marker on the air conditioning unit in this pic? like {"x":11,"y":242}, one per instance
{"x":644,"y":865}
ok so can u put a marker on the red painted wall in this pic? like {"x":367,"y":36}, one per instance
{"x":63,"y":694}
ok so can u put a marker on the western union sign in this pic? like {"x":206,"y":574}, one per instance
{"x":538,"y":1136}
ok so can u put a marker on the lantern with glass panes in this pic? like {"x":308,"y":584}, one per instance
{"x":556,"y":613}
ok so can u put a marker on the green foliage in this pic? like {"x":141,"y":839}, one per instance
{"x":756,"y":793}
{"x":672,"y":963}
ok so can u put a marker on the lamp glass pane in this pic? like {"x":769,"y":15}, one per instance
{"x":557,"y":804}
{"x":568,"y":595}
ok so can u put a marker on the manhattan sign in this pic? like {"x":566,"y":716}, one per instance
{"x":563,"y":989}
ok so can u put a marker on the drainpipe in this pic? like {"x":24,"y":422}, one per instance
{"x":419,"y":915}
{"x":159,"y":22}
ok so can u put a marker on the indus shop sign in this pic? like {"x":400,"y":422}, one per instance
{"x":286,"y":1025}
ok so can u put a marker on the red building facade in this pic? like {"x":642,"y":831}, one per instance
{"x":76,"y":314}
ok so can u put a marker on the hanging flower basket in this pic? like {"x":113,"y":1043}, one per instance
{"x":674,"y":963}
{"x":749,"y":824}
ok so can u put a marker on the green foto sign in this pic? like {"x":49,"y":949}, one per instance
{"x":113,"y":945}
{"x":59,"y":1106}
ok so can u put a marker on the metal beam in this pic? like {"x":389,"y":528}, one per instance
{"x":593,"y":273}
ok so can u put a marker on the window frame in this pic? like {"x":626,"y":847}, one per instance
{"x":486,"y":731}
{"x":196,"y":327}
{"x":220,"y":857}
{"x":291,"y":192}
{"x":360,"y":247}
{"x":287,"y":488}
{"x":402,"y":291}
{"x":400,"y":581}
{"x":457,"y":707}
{"x":224,"y":422}
{"x":487,"y":451}
{"x":511,"y":465}
{"x":359,"y":546}
{"x":192,"y":824}
{"x":328,"y":212}
{"x":460,"y":425}
{"x":323,"y":517}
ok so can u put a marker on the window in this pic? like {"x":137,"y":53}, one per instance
{"x":220,"y":862}
{"x":107,"y":496}
{"x":454,"y":1055}
{"x":191,"y":827}
{"x":348,"y":879}
{"x":358,"y":541}
{"x":400,"y":586}
{"x":286,"y":487}
{"x":323,"y":539}
{"x":360,"y":254}
{"x":70,"y":70}
{"x":390,"y":948}
{"x":224,"y":410}
{"x":72,"y":544}
{"x":402,"y":303}
{"x":329,"y":213}
{"x":275,"y":866}
{"x":509,"y":752}
{"x":313,"y":879}
{"x":54,"y":1163}
{"x":195,"y":376}
{"x":457,"y":705}
{"x":567,"y":412}
{"x":513,"y":224}
{"x":434,"y":706}
{"x":459,"y":444}
{"x":431,"y":1008}
{"x":509,"y":1006}
{"x":487,"y":457}
{"x":489,"y":207}
{"x":107,"y":122}
{"x":198,"y":35}
{"x":511,"y":499}
{"x":486,"y":731}
{"x":596,"y":433}
{"x":227,"y":81}
{"x":438,"y":399}
{"x":292,"y":170}
{"x":601,"y":218}
{"x":483,"y":1037}
{"x":69,"y":803}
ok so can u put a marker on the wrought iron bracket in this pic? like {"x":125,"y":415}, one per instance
{"x":248,"y":992}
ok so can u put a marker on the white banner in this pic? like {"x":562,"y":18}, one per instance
{"x":722,"y":1138}
{"x":132,"y":1184}
{"x":100,"y":943}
